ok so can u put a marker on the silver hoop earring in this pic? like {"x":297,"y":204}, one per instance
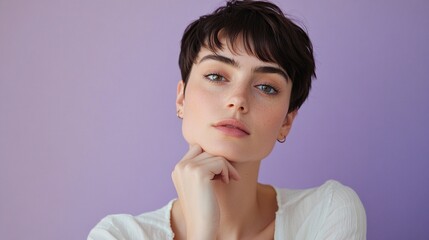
{"x":281,"y":140}
{"x":178,"y":114}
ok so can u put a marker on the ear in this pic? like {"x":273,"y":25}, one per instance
{"x":287,"y":124}
{"x":180,"y":98}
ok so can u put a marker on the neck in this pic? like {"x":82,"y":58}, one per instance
{"x":247,"y":209}
{"x":241,"y":202}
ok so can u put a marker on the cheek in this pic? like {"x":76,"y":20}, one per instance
{"x":196,"y":104}
{"x":271,"y":119}
{"x":189,"y":126}
{"x":270,"y":129}
{"x":198,"y":107}
{"x":277,"y":116}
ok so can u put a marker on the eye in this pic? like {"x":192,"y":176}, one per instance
{"x":214,"y":77}
{"x":267,"y":89}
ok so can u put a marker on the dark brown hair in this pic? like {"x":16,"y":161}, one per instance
{"x":267,"y":34}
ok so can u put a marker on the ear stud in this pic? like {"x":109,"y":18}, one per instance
{"x":178,"y":114}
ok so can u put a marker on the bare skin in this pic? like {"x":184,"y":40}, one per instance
{"x":216,"y":181}
{"x":215,"y":201}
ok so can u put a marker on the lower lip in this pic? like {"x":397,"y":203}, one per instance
{"x":233,"y":132}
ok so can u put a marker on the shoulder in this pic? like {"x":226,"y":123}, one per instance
{"x":331,"y":210}
{"x":331,"y":193}
{"x":150,"y":225}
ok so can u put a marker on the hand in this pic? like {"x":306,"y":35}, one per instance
{"x":193,"y":178}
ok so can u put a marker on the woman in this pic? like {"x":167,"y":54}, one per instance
{"x":246,"y":71}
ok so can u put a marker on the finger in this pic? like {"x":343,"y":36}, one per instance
{"x":194,"y":150}
{"x":202,"y":156}
{"x":227,"y":172}
{"x":221,"y":174}
{"x":233,"y":173}
{"x":218,"y":167}
{"x":226,"y":169}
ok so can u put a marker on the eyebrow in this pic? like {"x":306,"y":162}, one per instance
{"x":220,"y":58}
{"x":232,"y":62}
{"x":269,"y":69}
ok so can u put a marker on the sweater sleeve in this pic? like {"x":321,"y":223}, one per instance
{"x":345,"y":216}
{"x":150,"y":225}
{"x":116,"y":227}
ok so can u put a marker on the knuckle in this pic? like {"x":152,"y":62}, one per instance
{"x":179,"y":166}
{"x":190,"y":167}
{"x":222,"y":159}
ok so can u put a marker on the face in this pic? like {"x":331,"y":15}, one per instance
{"x":235,"y":105}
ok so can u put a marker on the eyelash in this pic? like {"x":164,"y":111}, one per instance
{"x":214,"y":74}
{"x":272,"y":90}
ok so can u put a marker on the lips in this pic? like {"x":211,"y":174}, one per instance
{"x":232,"y":127}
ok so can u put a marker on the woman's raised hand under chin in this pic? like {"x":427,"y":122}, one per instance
{"x":193,"y":178}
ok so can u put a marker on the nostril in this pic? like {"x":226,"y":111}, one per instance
{"x":238,"y":106}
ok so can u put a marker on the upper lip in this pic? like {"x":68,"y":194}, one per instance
{"x":233,"y":123}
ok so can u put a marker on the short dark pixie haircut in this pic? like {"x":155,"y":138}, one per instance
{"x":267,"y":34}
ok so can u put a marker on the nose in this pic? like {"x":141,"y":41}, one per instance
{"x":238,"y":101}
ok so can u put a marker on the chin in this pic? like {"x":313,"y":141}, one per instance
{"x":231,"y":152}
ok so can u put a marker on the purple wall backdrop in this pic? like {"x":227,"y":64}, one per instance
{"x":88,"y":125}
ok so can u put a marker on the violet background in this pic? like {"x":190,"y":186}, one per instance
{"x":88,"y":124}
